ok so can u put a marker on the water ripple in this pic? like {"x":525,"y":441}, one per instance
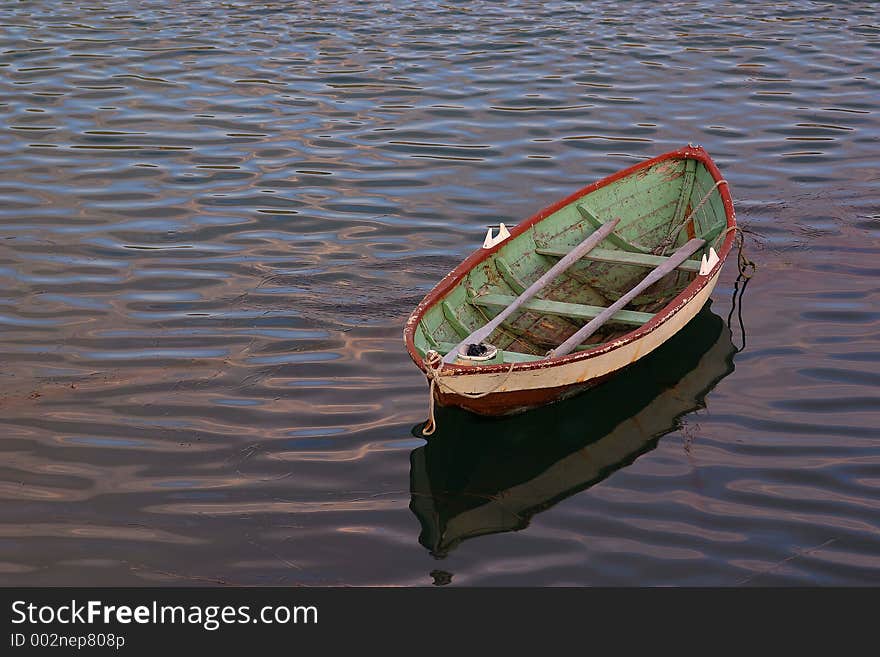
{"x":214,"y":223}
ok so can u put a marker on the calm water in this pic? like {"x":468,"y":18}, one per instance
{"x":215,"y":220}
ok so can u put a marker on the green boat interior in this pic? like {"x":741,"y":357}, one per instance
{"x":660,"y":207}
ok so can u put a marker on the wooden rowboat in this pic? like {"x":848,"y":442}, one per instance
{"x":579,"y":291}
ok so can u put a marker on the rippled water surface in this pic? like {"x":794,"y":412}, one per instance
{"x":216,"y":217}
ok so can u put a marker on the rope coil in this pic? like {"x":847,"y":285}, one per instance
{"x":433,"y":370}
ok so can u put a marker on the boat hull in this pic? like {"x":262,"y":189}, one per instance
{"x":505,"y":389}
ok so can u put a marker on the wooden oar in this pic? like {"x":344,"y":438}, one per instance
{"x":683,"y":253}
{"x":564,"y":263}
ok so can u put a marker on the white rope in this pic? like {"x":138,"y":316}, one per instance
{"x":433,"y":366}
{"x":670,"y":239}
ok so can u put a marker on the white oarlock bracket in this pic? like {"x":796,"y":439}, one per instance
{"x":502,"y":235}
{"x":707,"y":264}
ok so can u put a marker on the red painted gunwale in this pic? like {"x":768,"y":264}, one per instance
{"x":478,"y":256}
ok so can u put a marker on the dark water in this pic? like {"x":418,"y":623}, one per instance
{"x":216,"y":217}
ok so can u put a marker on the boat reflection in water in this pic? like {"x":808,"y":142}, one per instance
{"x":478,"y":476}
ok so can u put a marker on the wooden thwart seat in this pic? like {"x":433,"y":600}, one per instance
{"x":681,"y":254}
{"x":617,"y":240}
{"x":622,"y":258}
{"x":560,"y":309}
